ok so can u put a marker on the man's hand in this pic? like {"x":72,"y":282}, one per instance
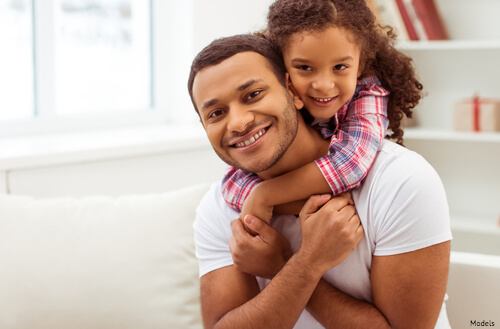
{"x":262,"y":254}
{"x":329,"y":234}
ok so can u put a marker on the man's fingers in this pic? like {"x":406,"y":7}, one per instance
{"x":347,"y":196}
{"x":258,"y":227}
{"x":313,"y":204}
{"x":347,"y":212}
{"x":338,"y":202}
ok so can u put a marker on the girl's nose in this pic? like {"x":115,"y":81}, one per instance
{"x":323,"y":83}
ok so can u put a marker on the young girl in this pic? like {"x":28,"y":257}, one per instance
{"x":354,"y":84}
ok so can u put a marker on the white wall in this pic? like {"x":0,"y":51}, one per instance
{"x":154,"y":173}
{"x":218,"y":18}
{"x":184,"y":29}
{"x":3,"y":182}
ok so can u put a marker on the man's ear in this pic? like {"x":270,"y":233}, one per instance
{"x":297,"y":101}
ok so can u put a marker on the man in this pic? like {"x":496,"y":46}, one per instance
{"x":323,"y":269}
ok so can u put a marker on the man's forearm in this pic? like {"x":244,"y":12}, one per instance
{"x":328,"y":237}
{"x":281,"y":302}
{"x":335,"y":309}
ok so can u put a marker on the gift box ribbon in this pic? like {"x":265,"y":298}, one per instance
{"x":476,"y":112}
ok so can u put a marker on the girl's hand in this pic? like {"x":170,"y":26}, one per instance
{"x":256,"y":205}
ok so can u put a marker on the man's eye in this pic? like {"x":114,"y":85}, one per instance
{"x":254,"y":94}
{"x":215,"y":114}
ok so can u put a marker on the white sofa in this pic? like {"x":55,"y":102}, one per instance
{"x":129,"y":262}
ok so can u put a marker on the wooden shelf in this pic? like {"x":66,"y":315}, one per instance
{"x":450,"y":135}
{"x":487,"y":225}
{"x":478,"y":235}
{"x":449,"y":45}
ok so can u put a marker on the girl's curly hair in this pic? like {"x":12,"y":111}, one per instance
{"x":378,"y":57}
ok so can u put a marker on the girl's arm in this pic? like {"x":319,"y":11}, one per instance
{"x":236,"y":186}
{"x":362,"y":127}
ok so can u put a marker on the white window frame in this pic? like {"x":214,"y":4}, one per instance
{"x":172,"y":53}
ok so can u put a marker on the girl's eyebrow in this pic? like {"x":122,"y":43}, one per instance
{"x":345,"y":58}
{"x":302,"y":60}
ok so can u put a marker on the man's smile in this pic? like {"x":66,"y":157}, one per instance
{"x":252,"y":139}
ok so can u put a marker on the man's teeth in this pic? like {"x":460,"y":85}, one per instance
{"x":324,"y":100}
{"x":251,"y":140}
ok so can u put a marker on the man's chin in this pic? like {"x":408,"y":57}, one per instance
{"x":254,"y":166}
{"x":251,"y":164}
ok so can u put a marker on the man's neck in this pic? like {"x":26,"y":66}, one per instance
{"x":307,"y":146}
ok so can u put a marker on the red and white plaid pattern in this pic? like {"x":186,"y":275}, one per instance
{"x":236,"y":186}
{"x":356,"y":135}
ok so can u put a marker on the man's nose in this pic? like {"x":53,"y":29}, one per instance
{"x":239,"y":118}
{"x":323,"y":82}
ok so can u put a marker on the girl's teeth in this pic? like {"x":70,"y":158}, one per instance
{"x":324,"y":100}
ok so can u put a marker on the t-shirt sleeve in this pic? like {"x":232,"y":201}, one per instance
{"x":212,"y":231}
{"x":412,"y":213}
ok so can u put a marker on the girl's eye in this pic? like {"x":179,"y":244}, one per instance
{"x":340,"y":67}
{"x":304,"y":68}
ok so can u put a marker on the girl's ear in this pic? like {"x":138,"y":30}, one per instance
{"x":297,"y":101}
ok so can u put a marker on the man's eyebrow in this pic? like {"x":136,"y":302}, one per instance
{"x":209,"y":103}
{"x":241,"y":87}
{"x":247,"y":84}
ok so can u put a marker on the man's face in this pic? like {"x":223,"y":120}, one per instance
{"x":249,"y":117}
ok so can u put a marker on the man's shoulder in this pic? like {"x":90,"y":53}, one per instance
{"x":213,"y":206}
{"x":213,"y":198}
{"x":392,"y":156}
{"x":401,"y":174}
{"x":402,"y":202}
{"x":397,"y":167}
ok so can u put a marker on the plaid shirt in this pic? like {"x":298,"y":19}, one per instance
{"x":356,"y":132}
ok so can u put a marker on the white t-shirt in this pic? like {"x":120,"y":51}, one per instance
{"x":402,"y":206}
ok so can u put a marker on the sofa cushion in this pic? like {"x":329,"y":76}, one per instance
{"x":99,"y":262}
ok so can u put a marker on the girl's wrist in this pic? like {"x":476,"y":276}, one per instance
{"x":260,"y":193}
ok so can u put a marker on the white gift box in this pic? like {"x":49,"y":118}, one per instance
{"x":477,"y":114}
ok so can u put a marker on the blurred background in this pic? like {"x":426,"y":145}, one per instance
{"x":93,"y":98}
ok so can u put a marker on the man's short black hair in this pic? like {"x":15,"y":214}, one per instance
{"x":223,"y":48}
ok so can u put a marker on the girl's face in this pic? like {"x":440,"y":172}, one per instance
{"x":323,"y":68}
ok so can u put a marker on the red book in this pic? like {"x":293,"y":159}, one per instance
{"x":410,"y":29}
{"x":429,"y":15}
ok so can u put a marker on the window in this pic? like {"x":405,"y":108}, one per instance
{"x":16,"y":63}
{"x":72,"y":62}
{"x":102,"y":56}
